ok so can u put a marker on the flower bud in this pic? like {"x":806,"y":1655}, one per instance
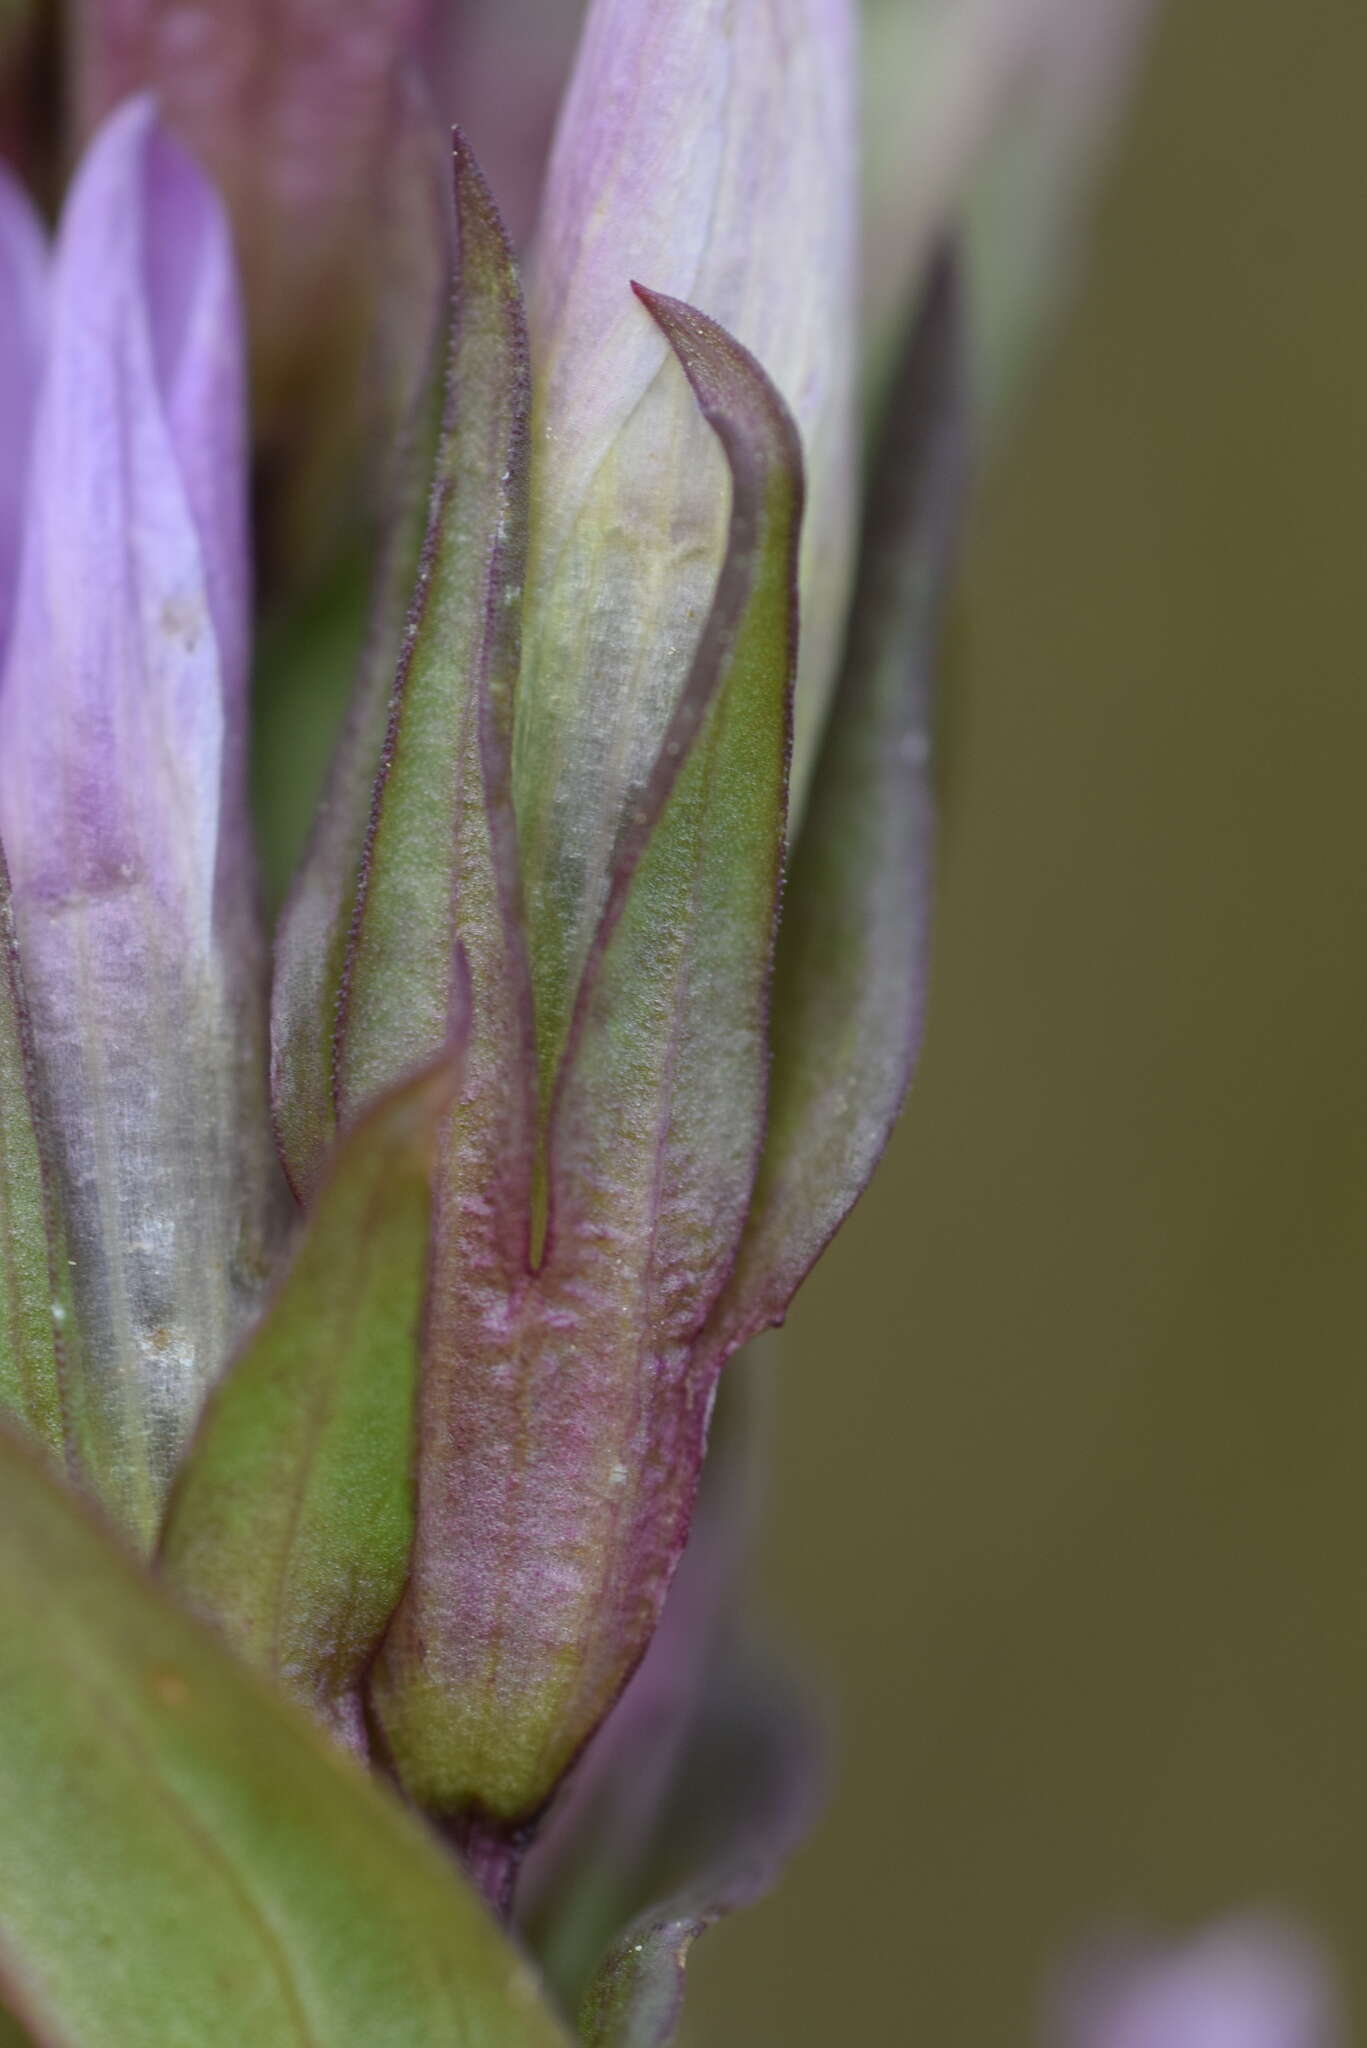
{"x":709,"y":151}
{"x":122,"y":801}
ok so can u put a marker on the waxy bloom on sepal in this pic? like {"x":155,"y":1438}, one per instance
{"x":122,"y":802}
{"x":1253,"y":1983}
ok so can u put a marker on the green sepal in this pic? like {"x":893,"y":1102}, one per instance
{"x":746,"y":1793}
{"x":438,"y":873}
{"x":291,"y":1520}
{"x":660,"y":1106}
{"x":562,"y":1431}
{"x":315,"y":923}
{"x":184,"y":1857}
{"x":36,"y":1328}
{"x":852,"y":961}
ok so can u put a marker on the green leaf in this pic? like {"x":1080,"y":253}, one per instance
{"x":184,"y":1858}
{"x":291,"y":1521}
{"x":562,"y":1431}
{"x":850,"y":976}
{"x":35,"y":1295}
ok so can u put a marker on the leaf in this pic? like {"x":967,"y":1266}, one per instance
{"x":35,"y":1295}
{"x":849,"y":988}
{"x":561,"y":1433}
{"x":184,"y":1858}
{"x":315,"y":925}
{"x":291,"y":1520}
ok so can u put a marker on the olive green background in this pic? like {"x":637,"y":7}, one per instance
{"x":1069,"y":1509}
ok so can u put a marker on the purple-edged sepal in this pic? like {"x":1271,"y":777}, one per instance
{"x":563,"y":1426}
{"x":853,"y":953}
{"x":747,"y":1795}
{"x":703,"y":1779}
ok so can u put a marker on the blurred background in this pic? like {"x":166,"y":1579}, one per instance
{"x":1068,"y":1508}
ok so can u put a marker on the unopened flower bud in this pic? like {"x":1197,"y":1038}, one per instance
{"x":707,"y":150}
{"x":122,"y":802}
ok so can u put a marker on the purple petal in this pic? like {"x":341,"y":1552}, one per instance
{"x":116,"y":707}
{"x":122,"y":806}
{"x":1253,"y":1983}
{"x":23,"y":332}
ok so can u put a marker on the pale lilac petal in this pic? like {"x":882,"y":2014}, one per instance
{"x":1253,"y":1983}
{"x":130,"y":628}
{"x":122,"y":806}
{"x":1028,"y":209}
{"x":707,"y":150}
{"x":23,"y":329}
{"x":990,"y":112}
{"x":196,"y":325}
